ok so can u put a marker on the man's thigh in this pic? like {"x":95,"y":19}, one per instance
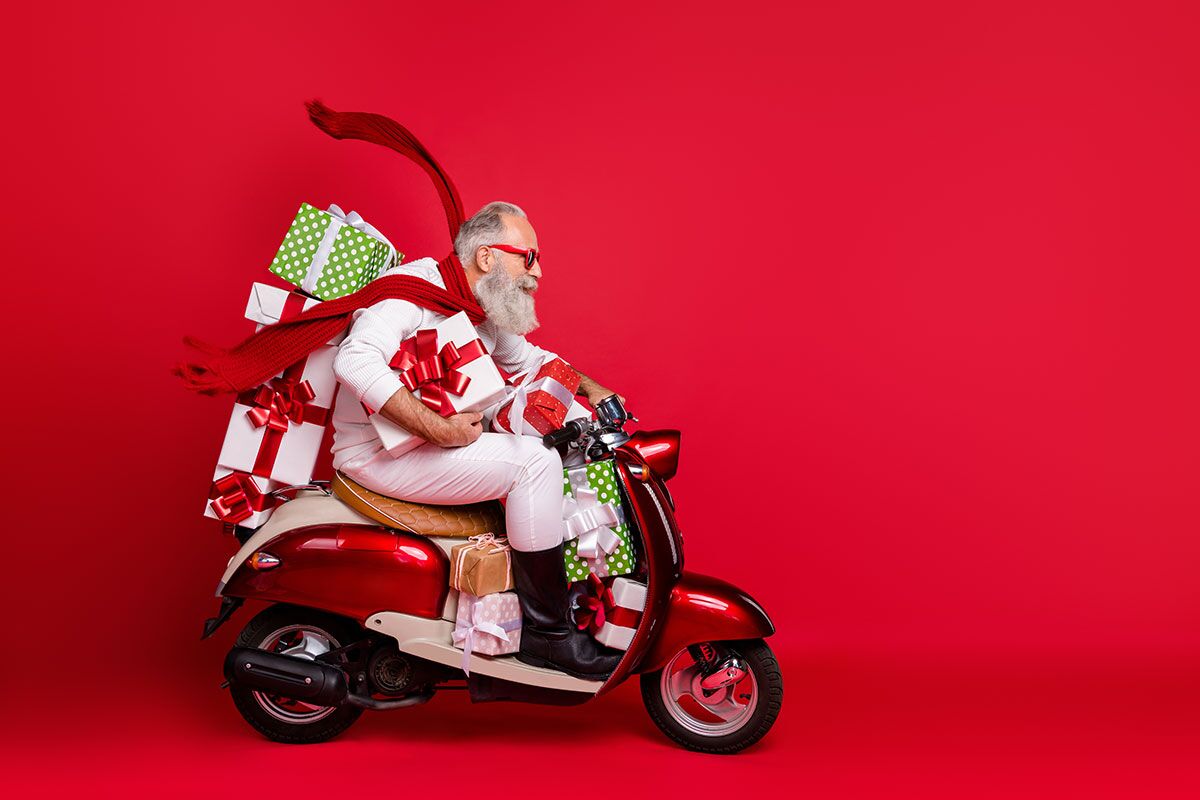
{"x":486,"y":469}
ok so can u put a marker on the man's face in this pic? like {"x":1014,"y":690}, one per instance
{"x":506,"y":289}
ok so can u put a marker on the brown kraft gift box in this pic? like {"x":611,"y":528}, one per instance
{"x":481,"y":566}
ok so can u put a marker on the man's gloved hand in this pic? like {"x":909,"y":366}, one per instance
{"x":460,"y":430}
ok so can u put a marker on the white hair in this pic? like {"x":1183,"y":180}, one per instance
{"x":486,"y":227}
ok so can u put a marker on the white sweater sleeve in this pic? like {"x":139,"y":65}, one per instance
{"x":515,"y":354}
{"x":362,"y":359}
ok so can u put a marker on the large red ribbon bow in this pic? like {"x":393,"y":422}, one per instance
{"x":435,"y":372}
{"x":275,"y":406}
{"x":594,"y":607}
{"x":281,"y":403}
{"x":236,"y":497}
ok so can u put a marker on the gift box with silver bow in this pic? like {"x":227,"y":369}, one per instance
{"x":330,"y":253}
{"x":596,"y":538}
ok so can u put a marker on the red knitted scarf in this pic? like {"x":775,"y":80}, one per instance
{"x":267,"y":352}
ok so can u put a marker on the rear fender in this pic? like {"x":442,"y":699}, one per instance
{"x":705,"y":609}
{"x":352,"y":570}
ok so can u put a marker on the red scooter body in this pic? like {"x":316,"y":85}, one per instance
{"x":359,"y":570}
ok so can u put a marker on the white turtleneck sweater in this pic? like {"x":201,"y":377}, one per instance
{"x":362,"y":370}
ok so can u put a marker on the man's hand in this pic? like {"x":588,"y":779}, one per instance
{"x":593,"y":391}
{"x":460,"y":430}
{"x":415,"y":417}
{"x":600,"y":393}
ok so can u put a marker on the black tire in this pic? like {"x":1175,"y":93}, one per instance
{"x":761,"y":663}
{"x":341,"y":632}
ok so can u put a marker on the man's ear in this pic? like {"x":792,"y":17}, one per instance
{"x":483,"y":258}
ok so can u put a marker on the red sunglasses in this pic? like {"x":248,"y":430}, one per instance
{"x":530,"y":255}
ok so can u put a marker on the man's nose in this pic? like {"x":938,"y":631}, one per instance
{"x":536,"y":269}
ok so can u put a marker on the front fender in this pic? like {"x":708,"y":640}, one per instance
{"x":705,"y":609}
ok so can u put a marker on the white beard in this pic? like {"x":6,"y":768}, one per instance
{"x":506,"y":302}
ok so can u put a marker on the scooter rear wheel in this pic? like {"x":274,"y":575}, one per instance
{"x":302,"y":632}
{"x":723,"y":721}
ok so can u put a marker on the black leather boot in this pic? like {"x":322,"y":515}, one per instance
{"x":548,"y":638}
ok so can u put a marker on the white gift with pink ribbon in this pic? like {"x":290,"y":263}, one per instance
{"x":488,"y":625}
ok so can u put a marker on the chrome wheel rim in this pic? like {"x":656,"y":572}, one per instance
{"x":302,"y":641}
{"x":725,"y":711}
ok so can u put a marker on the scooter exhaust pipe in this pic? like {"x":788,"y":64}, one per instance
{"x":297,"y":678}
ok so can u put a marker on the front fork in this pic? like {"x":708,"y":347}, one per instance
{"x":717,"y":669}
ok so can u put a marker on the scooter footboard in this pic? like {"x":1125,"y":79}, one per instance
{"x":705,"y":609}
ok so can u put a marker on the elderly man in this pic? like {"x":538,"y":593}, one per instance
{"x":457,"y":462}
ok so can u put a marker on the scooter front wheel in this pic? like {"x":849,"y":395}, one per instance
{"x":722,"y":720}
{"x":304,"y":633}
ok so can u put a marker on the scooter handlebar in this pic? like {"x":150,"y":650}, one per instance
{"x":568,"y":433}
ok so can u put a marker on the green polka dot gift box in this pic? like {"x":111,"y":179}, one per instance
{"x":597,"y":537}
{"x":330,"y":254}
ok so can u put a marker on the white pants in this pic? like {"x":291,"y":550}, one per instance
{"x":496,"y":465}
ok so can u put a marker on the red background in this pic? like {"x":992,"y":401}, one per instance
{"x":957,"y":241}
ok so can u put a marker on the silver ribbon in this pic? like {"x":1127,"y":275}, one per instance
{"x":587,"y":519}
{"x":520,"y":399}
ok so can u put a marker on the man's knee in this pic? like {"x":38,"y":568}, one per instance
{"x":538,"y":460}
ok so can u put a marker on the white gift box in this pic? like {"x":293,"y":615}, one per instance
{"x":628,"y":596}
{"x":269,"y":304}
{"x":486,"y":385}
{"x":291,"y":455}
{"x":489,"y":625}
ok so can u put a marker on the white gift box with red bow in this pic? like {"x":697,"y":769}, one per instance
{"x":275,"y":431}
{"x":629,"y":600}
{"x":447,"y":368}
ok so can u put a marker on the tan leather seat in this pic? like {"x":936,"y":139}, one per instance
{"x":427,"y":520}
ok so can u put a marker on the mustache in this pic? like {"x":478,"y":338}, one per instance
{"x":527,"y":282}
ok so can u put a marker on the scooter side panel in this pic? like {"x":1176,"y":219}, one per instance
{"x":705,"y":609}
{"x":352,"y":570}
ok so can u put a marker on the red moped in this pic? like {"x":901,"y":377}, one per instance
{"x":362,"y":616}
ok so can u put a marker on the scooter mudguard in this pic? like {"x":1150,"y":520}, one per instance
{"x":352,"y":570}
{"x":705,"y":609}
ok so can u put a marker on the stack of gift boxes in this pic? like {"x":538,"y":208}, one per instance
{"x":488,"y":621}
{"x":278,"y":430}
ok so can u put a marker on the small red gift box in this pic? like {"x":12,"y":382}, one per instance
{"x":541,"y":401}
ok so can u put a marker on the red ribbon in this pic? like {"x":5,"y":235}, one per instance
{"x":597,"y":607}
{"x":594,"y":606}
{"x":285,"y":401}
{"x":435,"y":372}
{"x":236,"y":497}
{"x":292,"y":306}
